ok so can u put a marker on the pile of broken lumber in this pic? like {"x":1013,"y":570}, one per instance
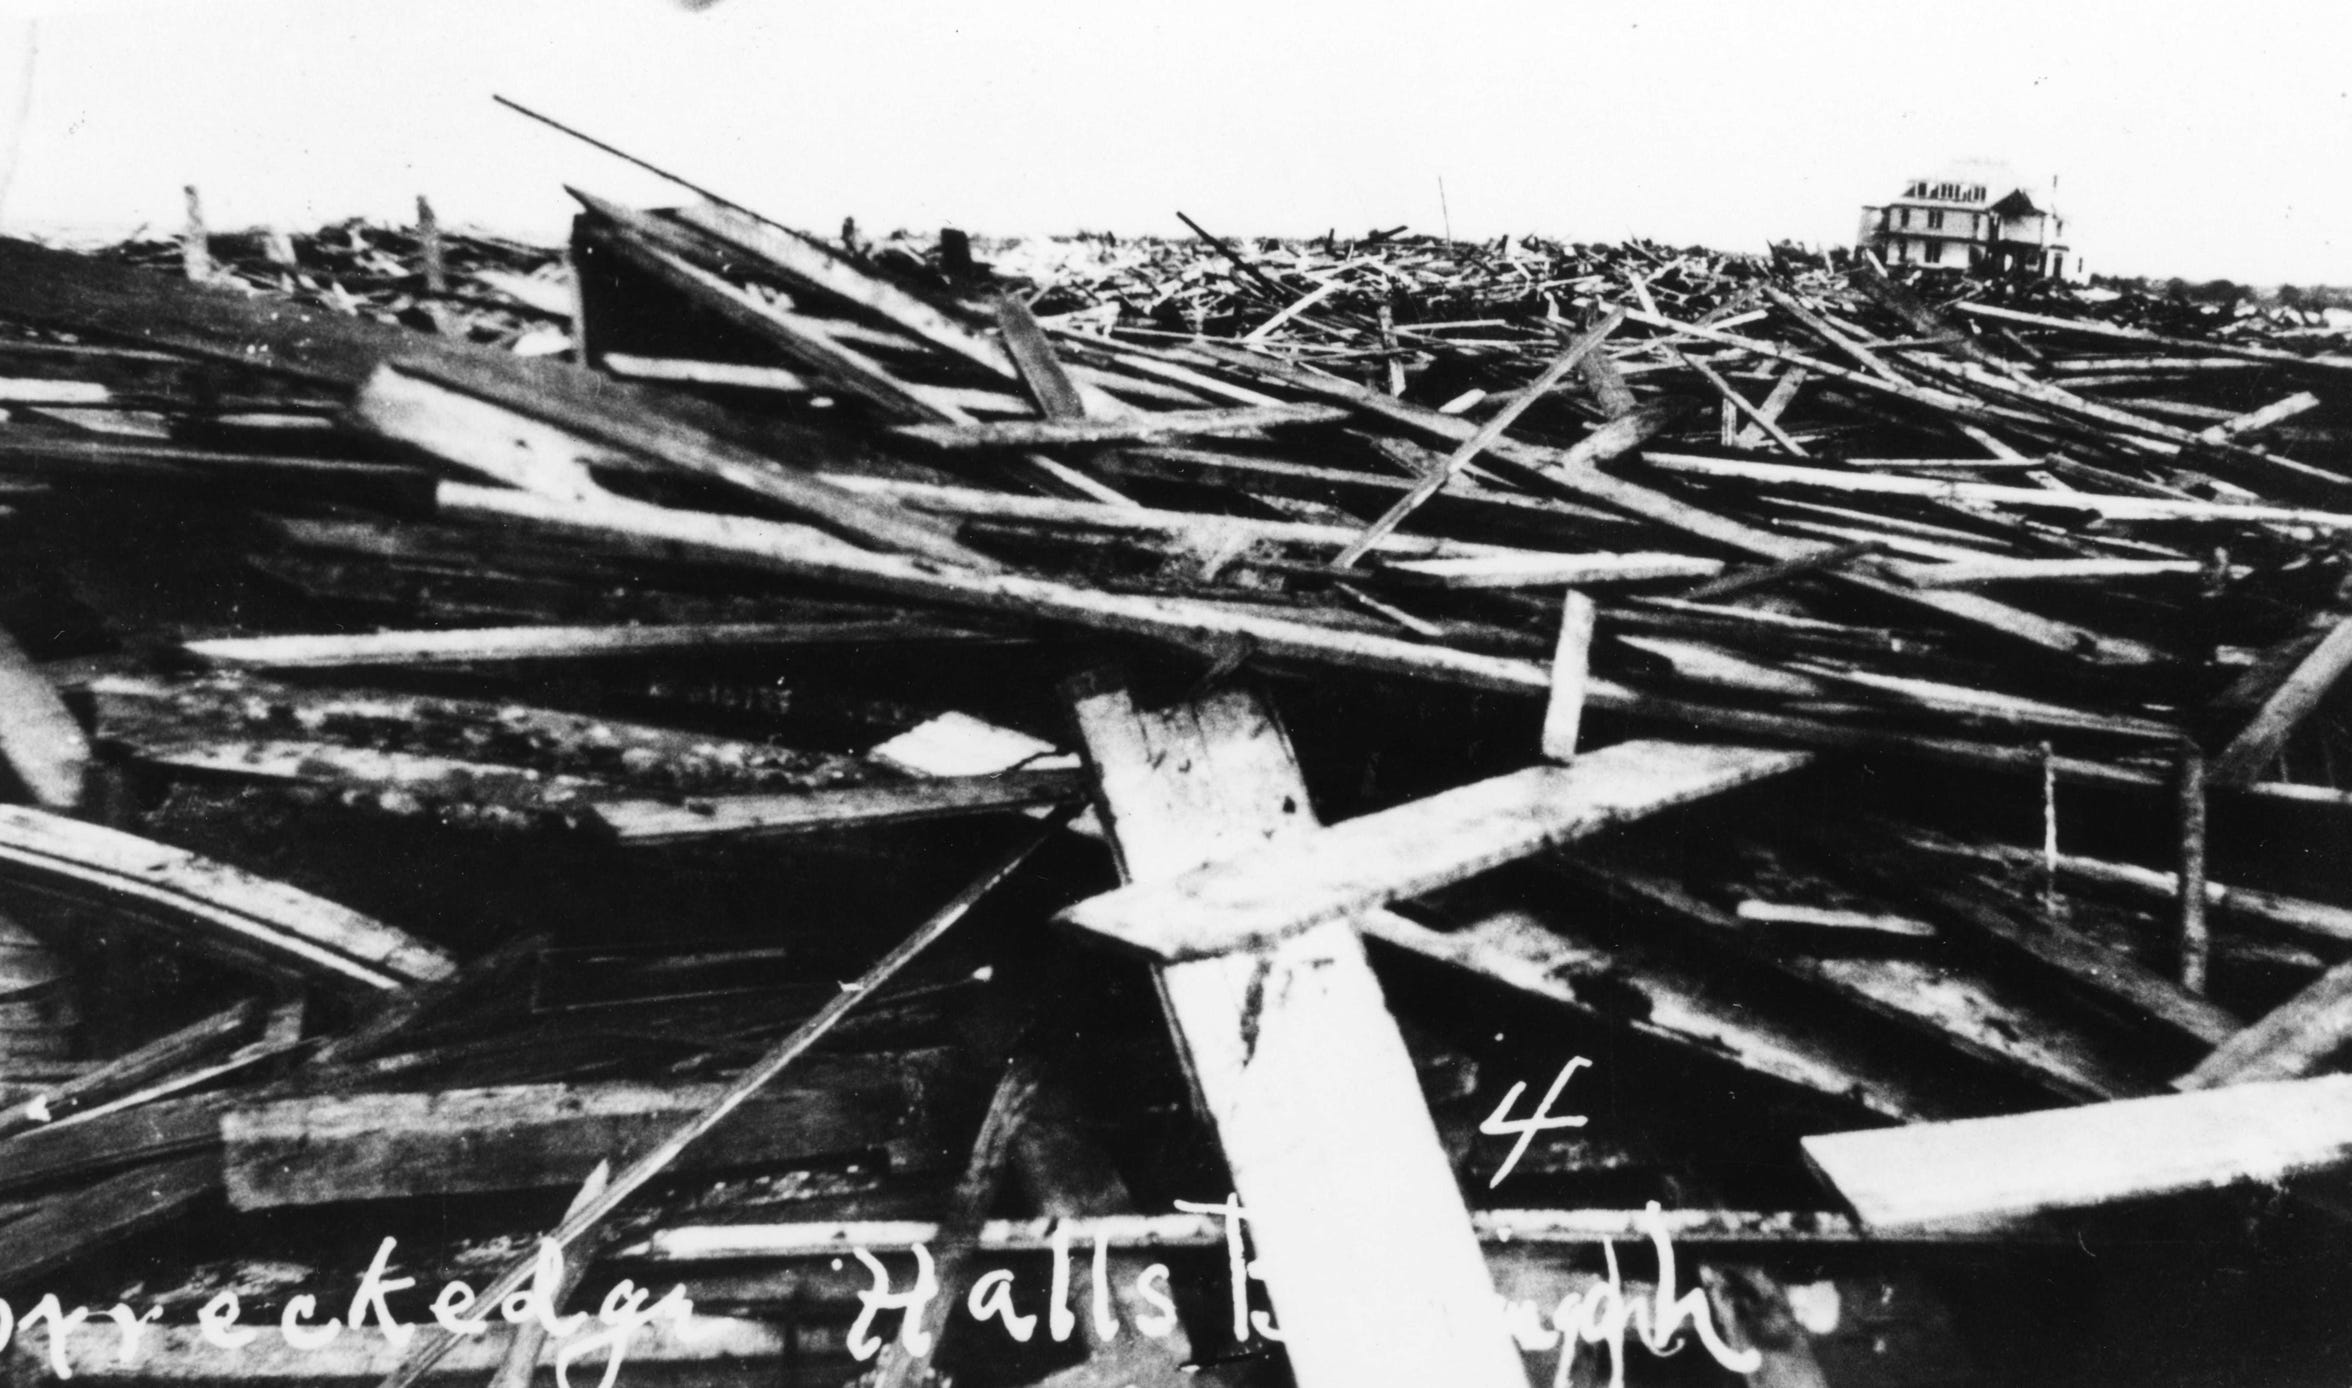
{"x":709,"y":745}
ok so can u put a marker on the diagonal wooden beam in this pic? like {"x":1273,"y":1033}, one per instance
{"x":1302,"y":880}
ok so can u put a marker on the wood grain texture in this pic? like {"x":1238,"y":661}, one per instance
{"x":1281,"y":888}
{"x":2098,"y":1154}
{"x":1295,"y":1058}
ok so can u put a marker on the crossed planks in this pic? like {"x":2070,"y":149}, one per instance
{"x":1282,"y":888}
{"x":1283,"y":1029}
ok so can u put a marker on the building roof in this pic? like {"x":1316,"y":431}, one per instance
{"x":1986,"y":184}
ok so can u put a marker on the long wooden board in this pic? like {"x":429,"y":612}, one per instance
{"x":1303,"y":880}
{"x":2029,"y":1163}
{"x":323,"y":1147}
{"x":1361,"y":1233}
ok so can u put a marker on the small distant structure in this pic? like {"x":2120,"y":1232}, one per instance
{"x":1975,"y":217}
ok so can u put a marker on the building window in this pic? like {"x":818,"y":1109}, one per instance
{"x":1935,"y":221}
{"x":1903,"y":217}
{"x":1935,"y":253}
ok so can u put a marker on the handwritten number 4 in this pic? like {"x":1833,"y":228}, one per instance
{"x":1499,"y":1124}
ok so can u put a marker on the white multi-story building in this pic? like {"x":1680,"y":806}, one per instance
{"x":1973,"y":217}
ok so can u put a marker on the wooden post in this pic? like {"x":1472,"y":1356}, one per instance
{"x":429,"y":248}
{"x":2049,"y":835}
{"x":1571,"y":664}
{"x":2196,"y":943}
{"x":195,"y":246}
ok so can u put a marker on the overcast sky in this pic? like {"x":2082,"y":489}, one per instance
{"x":2205,"y":141}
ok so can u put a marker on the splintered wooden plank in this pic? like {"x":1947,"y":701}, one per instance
{"x":1280,"y":889}
{"x":232,"y":912}
{"x":659,"y":821}
{"x":2257,"y":744}
{"x":2098,"y":1154}
{"x":94,"y":1217}
{"x":39,"y":738}
{"x":2292,"y":1040}
{"x":1571,"y":668}
{"x":476,"y":645}
{"x":1360,"y":1230}
{"x":319,"y":1148}
{"x":1533,"y":570}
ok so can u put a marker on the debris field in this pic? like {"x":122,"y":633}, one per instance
{"x":777,"y":762}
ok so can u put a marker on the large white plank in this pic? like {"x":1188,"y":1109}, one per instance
{"x":2074,"y":1158}
{"x":1281,"y":887}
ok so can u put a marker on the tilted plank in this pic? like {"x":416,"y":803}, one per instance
{"x":39,"y":739}
{"x":660,"y":821}
{"x":2027,"y":1163}
{"x":1362,"y":1236}
{"x":1280,"y":889}
{"x":251,"y":917}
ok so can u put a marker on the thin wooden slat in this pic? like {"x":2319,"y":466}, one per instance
{"x":1533,"y":570}
{"x":478,"y":645}
{"x":1156,"y":427}
{"x":2098,"y":1154}
{"x":2091,"y":327}
{"x":1262,"y":896}
{"x":1879,"y":484}
{"x":72,"y":1226}
{"x":649,"y":822}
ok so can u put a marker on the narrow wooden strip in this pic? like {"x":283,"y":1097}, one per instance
{"x":1154,"y":427}
{"x":1963,"y":572}
{"x":166,"y":1054}
{"x":1260,"y":897}
{"x":2098,"y":1154}
{"x":2088,"y":327}
{"x":645,"y":823}
{"x":1532,"y":570}
{"x":2115,"y":507}
{"x":497,"y":644}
